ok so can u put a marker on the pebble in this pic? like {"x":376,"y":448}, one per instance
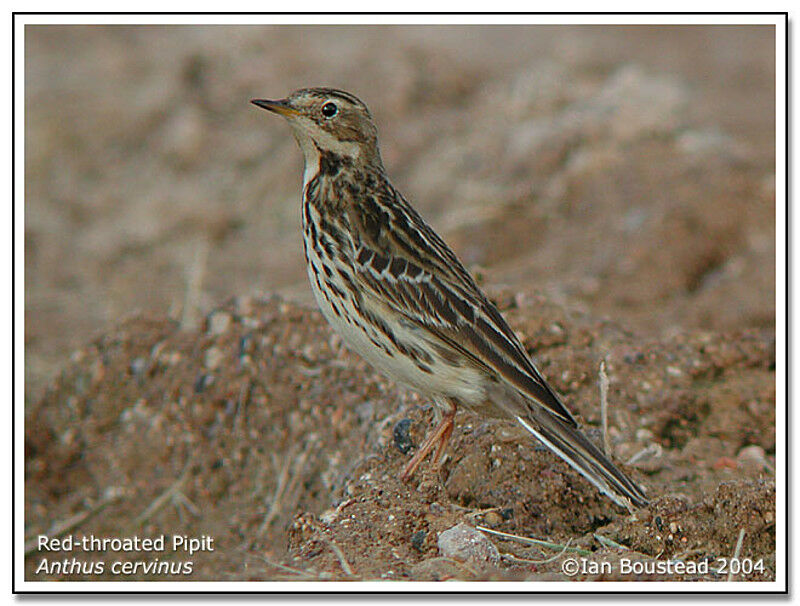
{"x":219,"y":322}
{"x":752,"y":458}
{"x":402,"y":439}
{"x":138,"y":366}
{"x":328,"y":517}
{"x":465,"y":544}
{"x":492,"y":518}
{"x":418,"y":539}
{"x":213,"y":358}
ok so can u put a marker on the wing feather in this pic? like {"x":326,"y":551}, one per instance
{"x":420,"y":278}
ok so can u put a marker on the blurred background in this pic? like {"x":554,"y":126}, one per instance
{"x":623,"y":171}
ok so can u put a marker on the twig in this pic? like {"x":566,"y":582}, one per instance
{"x":241,"y":402}
{"x":284,"y":567}
{"x":685,"y":554}
{"x":56,"y":530}
{"x":342,"y":560}
{"x":181,"y":499}
{"x":287,"y":484}
{"x":529,"y":541}
{"x":604,"y":406}
{"x":606,"y":542}
{"x":547,"y":561}
{"x":276,"y":499}
{"x":736,"y":552}
{"x":299,"y":465}
{"x":165,"y":497}
{"x":653,"y":449}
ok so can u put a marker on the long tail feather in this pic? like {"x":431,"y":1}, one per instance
{"x":576,"y":449}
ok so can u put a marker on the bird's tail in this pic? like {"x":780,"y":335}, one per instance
{"x":571,"y":445}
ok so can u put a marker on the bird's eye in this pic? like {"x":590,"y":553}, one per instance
{"x":329,"y":110}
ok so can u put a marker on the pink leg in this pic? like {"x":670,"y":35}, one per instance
{"x":439,"y":436}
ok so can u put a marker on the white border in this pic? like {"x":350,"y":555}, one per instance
{"x":779,"y":584}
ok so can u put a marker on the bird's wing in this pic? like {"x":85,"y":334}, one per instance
{"x":405,"y":265}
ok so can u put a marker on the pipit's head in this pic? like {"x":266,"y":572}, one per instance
{"x":327,"y":120}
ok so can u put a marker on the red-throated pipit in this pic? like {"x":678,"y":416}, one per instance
{"x":400,"y":298}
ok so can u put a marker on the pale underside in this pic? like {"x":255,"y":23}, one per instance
{"x":442,"y":381}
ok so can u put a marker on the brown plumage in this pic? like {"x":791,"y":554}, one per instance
{"x":400,"y":298}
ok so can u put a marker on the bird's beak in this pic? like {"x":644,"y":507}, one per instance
{"x":281,"y":106}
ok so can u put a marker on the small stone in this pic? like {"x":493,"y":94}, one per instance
{"x":752,"y":458}
{"x":219,"y":322}
{"x":673,"y":527}
{"x":417,"y":539}
{"x":213,"y":358}
{"x":402,"y":438}
{"x":465,"y":544}
{"x":492,"y":518}
{"x":328,"y":517}
{"x":138,"y":366}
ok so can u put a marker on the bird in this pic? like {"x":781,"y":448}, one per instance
{"x":399,"y":297}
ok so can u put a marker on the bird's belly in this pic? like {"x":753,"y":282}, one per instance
{"x":431,"y":376}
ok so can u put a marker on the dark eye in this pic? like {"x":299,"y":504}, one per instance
{"x":329,"y":110}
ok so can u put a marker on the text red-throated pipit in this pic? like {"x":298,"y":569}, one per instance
{"x":400,"y":298}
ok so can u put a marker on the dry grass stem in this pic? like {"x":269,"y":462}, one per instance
{"x":539,"y":562}
{"x":56,"y":530}
{"x":529,"y":541}
{"x":606,"y":542}
{"x":279,"y":490}
{"x":169,"y":495}
{"x":340,"y":556}
{"x":736,"y":553}
{"x":604,"y":406}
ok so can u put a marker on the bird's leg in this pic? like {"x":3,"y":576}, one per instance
{"x":440,"y":435}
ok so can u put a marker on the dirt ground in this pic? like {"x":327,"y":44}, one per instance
{"x":611,"y":188}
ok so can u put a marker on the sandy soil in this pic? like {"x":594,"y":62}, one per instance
{"x":611,"y":188}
